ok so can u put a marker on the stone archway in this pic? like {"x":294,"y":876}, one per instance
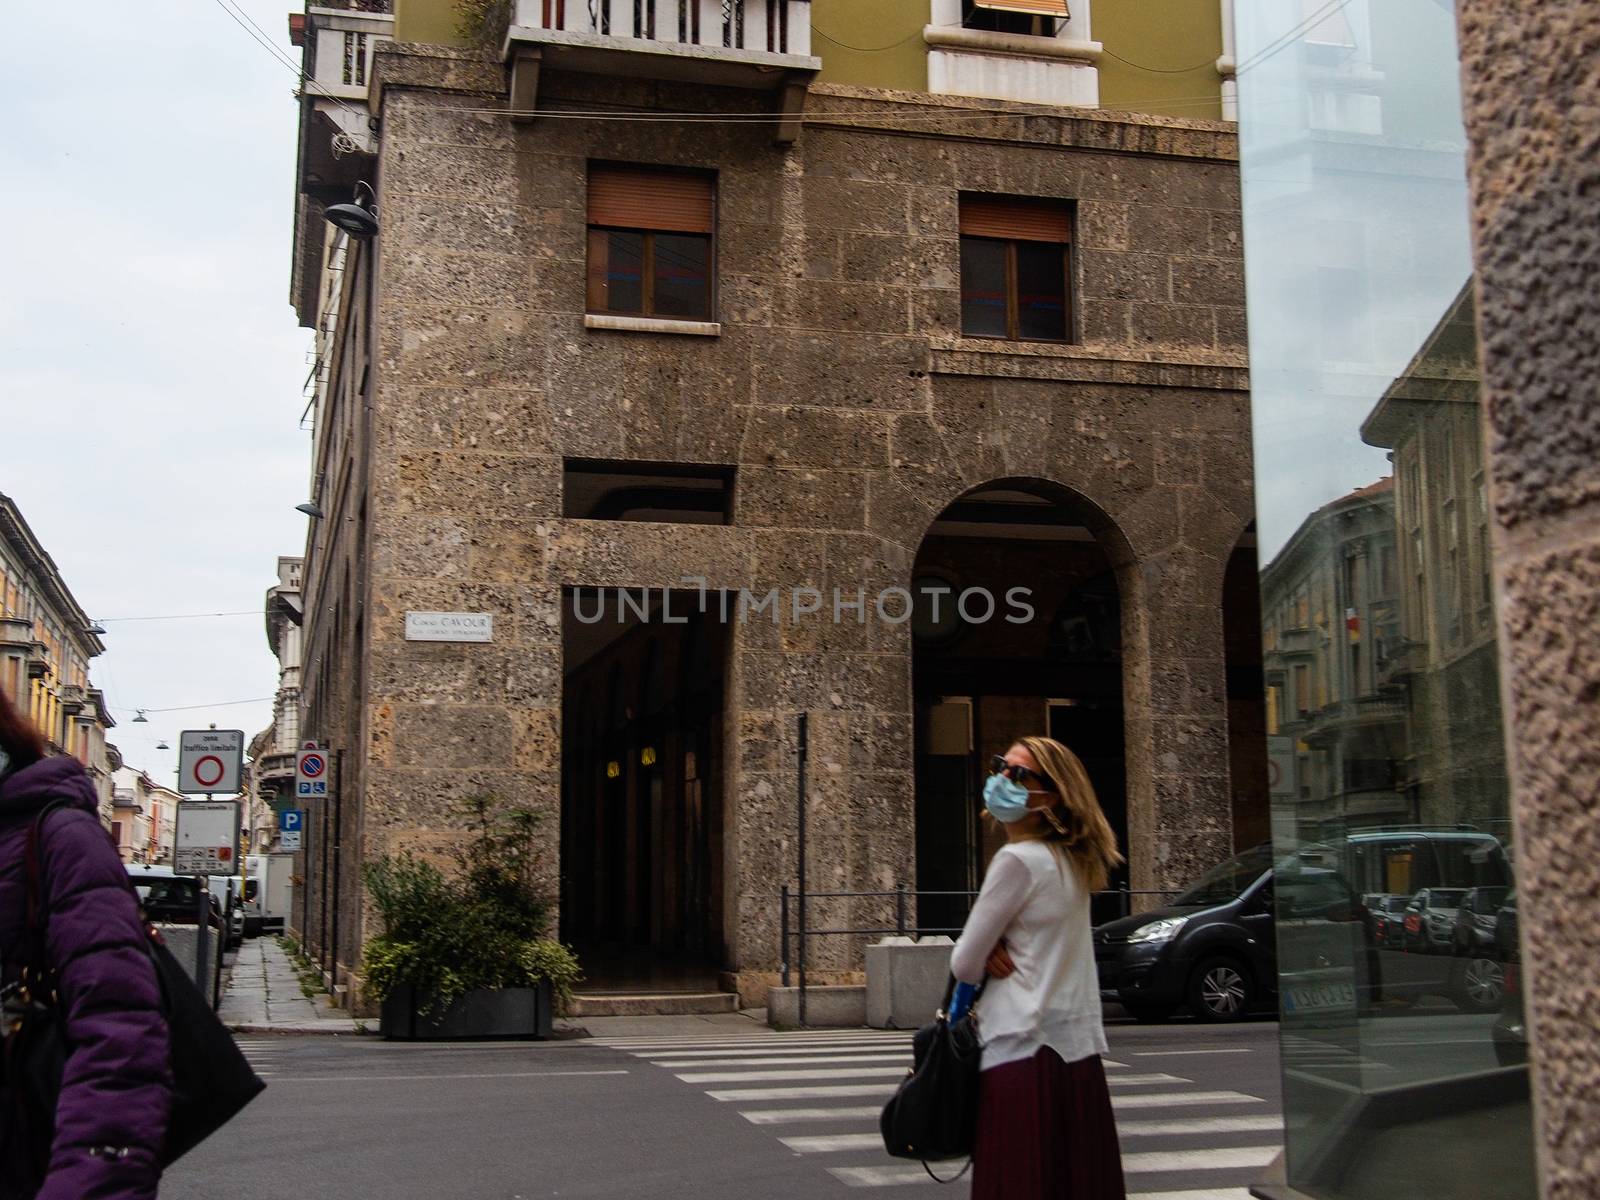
{"x":1019,"y":629}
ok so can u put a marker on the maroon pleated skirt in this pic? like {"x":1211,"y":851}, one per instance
{"x":1046,"y":1132}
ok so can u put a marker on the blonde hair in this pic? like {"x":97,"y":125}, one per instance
{"x":1074,"y":826}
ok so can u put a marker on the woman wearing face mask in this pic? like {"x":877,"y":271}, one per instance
{"x":1045,"y":1127}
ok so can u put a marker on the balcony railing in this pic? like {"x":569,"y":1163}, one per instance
{"x":342,"y":40}
{"x":764,"y":26}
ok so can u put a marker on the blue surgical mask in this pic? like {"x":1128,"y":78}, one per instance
{"x":1006,"y":800}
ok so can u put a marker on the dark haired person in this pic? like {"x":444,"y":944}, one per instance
{"x":115,"y":1094}
{"x":1045,"y":1126}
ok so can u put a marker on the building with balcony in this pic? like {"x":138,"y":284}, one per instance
{"x":145,"y":821}
{"x":272,"y":751}
{"x":46,"y":644}
{"x":1330,"y":634}
{"x":647,"y":332}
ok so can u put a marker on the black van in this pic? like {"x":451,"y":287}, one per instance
{"x":1212,"y":949}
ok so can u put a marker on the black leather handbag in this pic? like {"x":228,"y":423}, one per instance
{"x":934,"y":1112}
{"x":212,"y":1080}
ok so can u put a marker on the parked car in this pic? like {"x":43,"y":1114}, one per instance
{"x":1476,"y":921}
{"x":1214,"y":949}
{"x":172,"y":899}
{"x":1385,"y":914}
{"x":1510,"y":1030}
{"x":1430,"y":920}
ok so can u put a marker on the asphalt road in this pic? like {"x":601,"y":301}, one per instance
{"x":734,"y":1113}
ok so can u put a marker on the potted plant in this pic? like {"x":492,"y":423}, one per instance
{"x":465,"y":955}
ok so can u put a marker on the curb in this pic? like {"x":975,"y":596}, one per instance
{"x":320,"y":1029}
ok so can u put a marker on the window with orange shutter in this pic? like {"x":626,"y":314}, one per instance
{"x":1016,"y":268}
{"x":650,"y":241}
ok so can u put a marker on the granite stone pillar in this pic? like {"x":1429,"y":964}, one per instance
{"x":1531,"y":91}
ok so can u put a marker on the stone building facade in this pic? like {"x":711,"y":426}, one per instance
{"x":852,"y":438}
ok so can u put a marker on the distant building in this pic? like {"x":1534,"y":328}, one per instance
{"x":1445,"y":666}
{"x":145,"y":823}
{"x":272,"y":751}
{"x":1331,"y":637}
{"x":45,"y":648}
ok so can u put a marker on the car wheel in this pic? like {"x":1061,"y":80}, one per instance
{"x":1147,"y":1014}
{"x":1221,"y":990}
{"x":1478,"y":984}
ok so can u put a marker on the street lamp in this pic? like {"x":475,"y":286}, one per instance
{"x":358,"y":220}
{"x":162,"y":745}
{"x":97,"y":629}
{"x":140,"y":719}
{"x":310,"y":509}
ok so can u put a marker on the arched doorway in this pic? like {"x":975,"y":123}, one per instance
{"x":990,"y":665}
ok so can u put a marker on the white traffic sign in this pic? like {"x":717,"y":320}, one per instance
{"x":289,"y":839}
{"x":310,"y":774}
{"x":210,"y":761}
{"x":207,"y":838}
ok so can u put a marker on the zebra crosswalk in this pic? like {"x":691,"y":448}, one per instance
{"x":819,"y":1092}
{"x":262,"y":1053}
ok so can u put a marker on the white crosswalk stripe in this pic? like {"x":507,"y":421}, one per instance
{"x":820,"y":1092}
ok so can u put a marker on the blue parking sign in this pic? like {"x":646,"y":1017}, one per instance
{"x":291,"y":820}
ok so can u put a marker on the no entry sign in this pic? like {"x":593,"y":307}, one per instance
{"x":210,"y":761}
{"x":310,"y":773}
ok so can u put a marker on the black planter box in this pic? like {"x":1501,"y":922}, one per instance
{"x":506,"y":1014}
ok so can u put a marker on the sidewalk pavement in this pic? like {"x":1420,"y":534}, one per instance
{"x":264,"y":996}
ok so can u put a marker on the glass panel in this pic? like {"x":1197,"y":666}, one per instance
{"x":1041,"y":291}
{"x":983,"y":287}
{"x":1404,"y":1047}
{"x":616,"y":271}
{"x":683,"y":276}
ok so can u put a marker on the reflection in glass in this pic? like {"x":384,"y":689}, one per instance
{"x":1402,"y":1028}
{"x":983,"y":287}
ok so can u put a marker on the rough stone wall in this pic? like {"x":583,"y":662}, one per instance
{"x":855,"y":411}
{"x":1531,"y":77}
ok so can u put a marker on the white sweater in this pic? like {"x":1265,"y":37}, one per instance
{"x":1034,"y":900}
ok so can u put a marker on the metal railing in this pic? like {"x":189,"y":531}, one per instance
{"x":902,"y":927}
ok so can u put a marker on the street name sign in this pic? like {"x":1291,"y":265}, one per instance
{"x":310,"y":774}
{"x":210,"y":761}
{"x":207,"y":838}
{"x":449,"y":627}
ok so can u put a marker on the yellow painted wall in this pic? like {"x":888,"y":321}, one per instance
{"x":430,"y":21}
{"x":871,"y":43}
{"x":1160,"y":56}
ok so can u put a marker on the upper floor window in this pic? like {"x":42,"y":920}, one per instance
{"x":650,"y":247}
{"x":1033,"y":17}
{"x":1016,"y":268}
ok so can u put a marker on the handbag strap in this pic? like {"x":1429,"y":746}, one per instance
{"x":965,"y":1167}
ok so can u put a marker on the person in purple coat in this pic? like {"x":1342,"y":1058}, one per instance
{"x":116,"y":1090}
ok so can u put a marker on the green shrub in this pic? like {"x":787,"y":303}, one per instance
{"x":482,"y":927}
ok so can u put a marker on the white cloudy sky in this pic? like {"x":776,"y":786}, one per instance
{"x":150,"y":364}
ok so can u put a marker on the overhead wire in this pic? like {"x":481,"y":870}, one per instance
{"x":192,"y":707}
{"x":261,"y":38}
{"x":243,"y":612}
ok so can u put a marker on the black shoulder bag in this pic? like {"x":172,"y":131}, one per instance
{"x":211,"y":1078}
{"x":934,"y":1112}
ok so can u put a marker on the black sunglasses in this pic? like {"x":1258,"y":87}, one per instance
{"x":1018,"y":773}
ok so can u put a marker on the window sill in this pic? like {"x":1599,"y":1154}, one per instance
{"x":652,"y":325}
{"x":1023,"y":45}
